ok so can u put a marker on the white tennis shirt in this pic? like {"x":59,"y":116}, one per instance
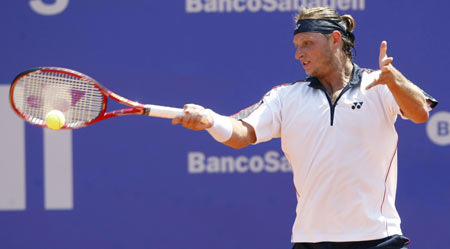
{"x":343,"y":157}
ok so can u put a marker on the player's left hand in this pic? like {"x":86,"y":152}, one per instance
{"x":388,"y":72}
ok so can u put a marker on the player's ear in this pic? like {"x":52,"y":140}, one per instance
{"x":336,"y":38}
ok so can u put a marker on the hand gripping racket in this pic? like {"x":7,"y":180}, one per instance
{"x":80,"y":98}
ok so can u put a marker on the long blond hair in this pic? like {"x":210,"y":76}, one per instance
{"x":330,"y":14}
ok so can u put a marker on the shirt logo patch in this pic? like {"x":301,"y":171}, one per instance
{"x":357,"y":105}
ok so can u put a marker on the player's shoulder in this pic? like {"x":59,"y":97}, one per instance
{"x":369,"y":71}
{"x":366,"y":71}
{"x":368,"y":75}
{"x":287,"y":87}
{"x":363,"y":76}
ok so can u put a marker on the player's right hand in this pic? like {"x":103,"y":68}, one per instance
{"x":195,"y":117}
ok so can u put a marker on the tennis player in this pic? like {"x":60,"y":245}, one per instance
{"x":337,"y":131}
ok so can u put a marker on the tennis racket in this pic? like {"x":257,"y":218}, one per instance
{"x":80,"y":98}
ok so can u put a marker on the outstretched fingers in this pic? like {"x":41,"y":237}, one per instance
{"x":385,"y":66}
{"x":384,"y":60}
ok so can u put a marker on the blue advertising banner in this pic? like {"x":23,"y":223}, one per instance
{"x":139,"y":182}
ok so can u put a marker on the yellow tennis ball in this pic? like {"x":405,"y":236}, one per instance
{"x":55,"y":119}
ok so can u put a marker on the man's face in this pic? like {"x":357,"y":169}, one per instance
{"x":314,"y":53}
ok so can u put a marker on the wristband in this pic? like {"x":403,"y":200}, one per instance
{"x":222,"y":128}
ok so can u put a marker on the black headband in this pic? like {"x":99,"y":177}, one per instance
{"x":323,"y":26}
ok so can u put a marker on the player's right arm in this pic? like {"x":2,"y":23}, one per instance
{"x":229,"y":131}
{"x":243,"y":134}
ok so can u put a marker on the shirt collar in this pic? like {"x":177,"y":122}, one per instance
{"x":355,"y":80}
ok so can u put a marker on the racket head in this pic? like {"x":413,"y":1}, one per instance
{"x":35,"y":92}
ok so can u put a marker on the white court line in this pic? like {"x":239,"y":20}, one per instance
{"x":58,"y":169}
{"x":12,"y":156}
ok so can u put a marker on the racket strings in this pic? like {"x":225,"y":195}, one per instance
{"x":39,"y":92}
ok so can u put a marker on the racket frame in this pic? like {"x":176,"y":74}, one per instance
{"x":136,"y":108}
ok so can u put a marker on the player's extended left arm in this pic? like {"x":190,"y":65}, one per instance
{"x":409,"y":97}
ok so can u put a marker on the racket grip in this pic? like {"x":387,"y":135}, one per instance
{"x":166,"y":112}
{"x":162,"y":111}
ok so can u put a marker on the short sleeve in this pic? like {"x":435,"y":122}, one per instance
{"x":264,"y":117}
{"x":392,"y":106}
{"x":389,"y":103}
{"x":432,"y":102}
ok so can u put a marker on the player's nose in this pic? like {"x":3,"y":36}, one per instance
{"x":298,"y":54}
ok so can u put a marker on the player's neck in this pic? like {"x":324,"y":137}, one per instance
{"x":338,"y":76}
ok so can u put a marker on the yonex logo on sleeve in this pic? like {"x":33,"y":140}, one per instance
{"x":357,"y":105}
